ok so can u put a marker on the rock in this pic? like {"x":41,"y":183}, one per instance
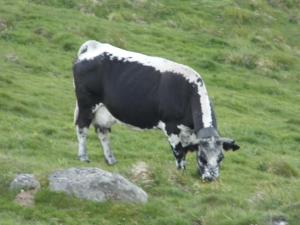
{"x":96,"y":185}
{"x":25,"y":182}
{"x":25,"y":198}
{"x":141,"y":173}
{"x":279,"y":221}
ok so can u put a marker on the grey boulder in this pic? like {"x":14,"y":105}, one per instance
{"x":96,"y":185}
{"x":25,"y":182}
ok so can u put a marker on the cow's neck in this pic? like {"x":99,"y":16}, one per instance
{"x":207,"y":132}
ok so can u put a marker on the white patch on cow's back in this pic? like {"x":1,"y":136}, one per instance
{"x":91,"y":49}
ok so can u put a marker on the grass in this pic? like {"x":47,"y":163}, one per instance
{"x":248,"y":54}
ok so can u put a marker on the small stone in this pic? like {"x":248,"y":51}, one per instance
{"x":25,"y":182}
{"x":279,"y":221}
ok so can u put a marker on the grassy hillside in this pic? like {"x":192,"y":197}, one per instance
{"x":248,"y":53}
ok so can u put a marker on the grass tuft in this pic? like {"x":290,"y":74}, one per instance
{"x":280,"y":168}
{"x":240,"y":16}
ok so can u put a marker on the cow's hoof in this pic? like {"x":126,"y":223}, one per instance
{"x":83,"y":158}
{"x":182,"y":168}
{"x":111,"y":160}
{"x":181,"y":165}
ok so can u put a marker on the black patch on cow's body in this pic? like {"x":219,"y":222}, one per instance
{"x":134,"y":93}
{"x":200,"y":81}
{"x":83,"y":50}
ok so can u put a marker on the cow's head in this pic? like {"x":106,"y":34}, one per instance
{"x":210,"y":152}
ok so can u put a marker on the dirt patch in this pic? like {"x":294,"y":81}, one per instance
{"x":141,"y":173}
{"x":12,"y":57}
{"x":3,"y":25}
{"x":197,"y":222}
{"x":25,"y":198}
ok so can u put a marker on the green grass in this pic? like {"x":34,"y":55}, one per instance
{"x":249,"y":56}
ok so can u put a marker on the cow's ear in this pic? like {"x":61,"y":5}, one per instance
{"x":229,"y":144}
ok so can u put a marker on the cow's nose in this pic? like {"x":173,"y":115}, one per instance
{"x":208,"y":178}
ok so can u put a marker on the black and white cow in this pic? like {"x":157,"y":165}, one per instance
{"x":114,"y":85}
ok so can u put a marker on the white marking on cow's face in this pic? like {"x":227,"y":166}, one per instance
{"x":209,"y":158}
{"x":91,"y":49}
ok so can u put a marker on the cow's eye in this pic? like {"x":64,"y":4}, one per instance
{"x":204,"y":144}
{"x":203,"y":158}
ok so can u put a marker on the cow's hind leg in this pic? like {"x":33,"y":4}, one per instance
{"x":83,"y":120}
{"x":103,"y":135}
{"x":103,"y":121}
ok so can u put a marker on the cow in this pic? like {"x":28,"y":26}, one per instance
{"x":113,"y":85}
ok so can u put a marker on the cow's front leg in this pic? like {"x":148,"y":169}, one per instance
{"x":103,"y":135}
{"x":172,"y":133}
{"x":178,"y":151}
{"x":179,"y":154}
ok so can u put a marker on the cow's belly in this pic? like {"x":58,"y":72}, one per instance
{"x":104,"y":119}
{"x":133,"y":109}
